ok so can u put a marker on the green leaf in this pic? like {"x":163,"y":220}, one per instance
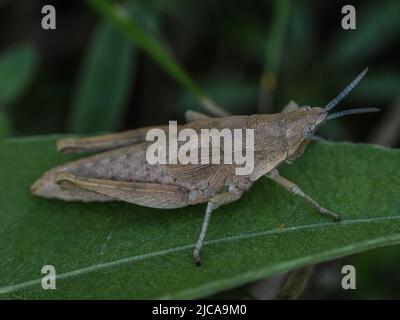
{"x":119,"y":250}
{"x":104,"y":86}
{"x":121,"y":18}
{"x":17,"y":66}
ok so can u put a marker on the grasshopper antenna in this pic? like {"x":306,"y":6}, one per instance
{"x":331,"y":104}
{"x":351,"y":111}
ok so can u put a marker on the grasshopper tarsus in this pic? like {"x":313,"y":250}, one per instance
{"x":196,"y":258}
{"x":197,"y":263}
{"x":337,"y":217}
{"x":325,"y":212}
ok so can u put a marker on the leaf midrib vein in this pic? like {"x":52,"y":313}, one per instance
{"x":110,"y":264}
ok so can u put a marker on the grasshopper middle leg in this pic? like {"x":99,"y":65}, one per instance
{"x":294,"y":188}
{"x":217,"y":201}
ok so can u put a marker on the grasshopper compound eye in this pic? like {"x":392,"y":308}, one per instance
{"x":309,"y":131}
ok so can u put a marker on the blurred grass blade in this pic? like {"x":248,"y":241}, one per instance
{"x":5,"y":126}
{"x":377,"y":27}
{"x":239,"y":94}
{"x":119,"y":250}
{"x":387,"y":131}
{"x":295,"y":283}
{"x":301,"y":39}
{"x":17,"y":67}
{"x":121,"y":18}
{"x":104,"y":82}
{"x":273,"y":53}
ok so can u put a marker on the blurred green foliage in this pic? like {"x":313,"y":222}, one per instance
{"x":108,"y":64}
{"x":122,"y":19}
{"x":5,"y":127}
{"x":273,"y":52}
{"x":17,"y":66}
{"x":227,"y":91}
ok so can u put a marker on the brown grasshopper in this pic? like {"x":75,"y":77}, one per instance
{"x":122,"y":173}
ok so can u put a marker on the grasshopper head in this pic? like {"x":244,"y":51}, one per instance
{"x":301,"y":126}
{"x":303,"y":123}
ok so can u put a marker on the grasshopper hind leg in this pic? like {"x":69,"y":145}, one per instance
{"x":152,"y":195}
{"x":104,"y":142}
{"x":100,"y":143}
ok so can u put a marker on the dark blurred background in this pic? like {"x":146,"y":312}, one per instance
{"x":97,"y":73}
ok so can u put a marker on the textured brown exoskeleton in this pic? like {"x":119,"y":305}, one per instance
{"x":121,"y":172}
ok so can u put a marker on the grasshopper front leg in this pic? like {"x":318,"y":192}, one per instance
{"x":294,"y":188}
{"x":215,"y":202}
